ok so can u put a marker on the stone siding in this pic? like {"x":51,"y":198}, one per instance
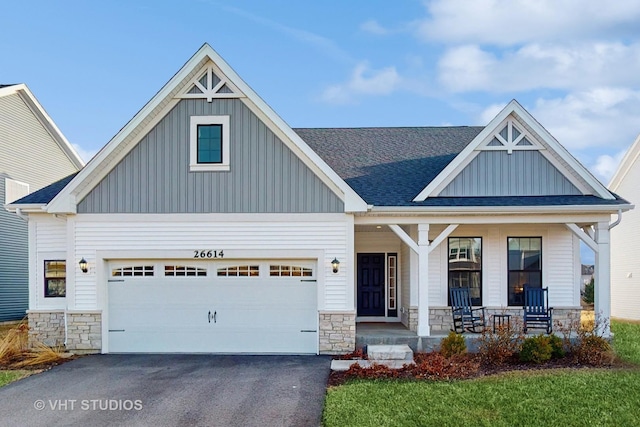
{"x":84,"y":332}
{"x":46,"y":327}
{"x":337,"y":332}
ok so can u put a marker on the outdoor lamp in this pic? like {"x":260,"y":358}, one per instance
{"x":83,"y":265}
{"x":335,"y":264}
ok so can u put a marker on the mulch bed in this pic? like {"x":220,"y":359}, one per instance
{"x":435,"y":367}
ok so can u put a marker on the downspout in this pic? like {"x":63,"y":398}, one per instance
{"x":21,"y":215}
{"x":616,"y":221}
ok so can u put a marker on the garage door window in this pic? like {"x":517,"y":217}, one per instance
{"x":239,"y":271}
{"x":184,"y":271}
{"x":289,"y":271}
{"x":133,"y":271}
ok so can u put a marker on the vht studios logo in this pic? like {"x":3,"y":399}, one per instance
{"x":88,"y":405}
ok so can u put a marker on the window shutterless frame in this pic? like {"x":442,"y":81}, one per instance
{"x":204,"y":132}
{"x":524,"y":267}
{"x":55,"y":278}
{"x":464,"y":266}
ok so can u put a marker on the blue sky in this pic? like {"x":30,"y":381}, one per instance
{"x":574,"y":64}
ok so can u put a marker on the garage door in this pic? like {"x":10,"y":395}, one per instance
{"x":213,"y":307}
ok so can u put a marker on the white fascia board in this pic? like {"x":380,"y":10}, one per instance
{"x":513,"y":107}
{"x":26,"y":208}
{"x":36,"y":108}
{"x":502,"y":209}
{"x":628,"y":161}
{"x":96,"y":170}
{"x":465,"y":156}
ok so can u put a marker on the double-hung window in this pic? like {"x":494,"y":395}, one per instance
{"x":209,"y":143}
{"x":525,"y":266}
{"x":55,"y":278}
{"x":465,"y":266}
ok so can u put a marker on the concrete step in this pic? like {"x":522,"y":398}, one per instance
{"x":400,"y":352}
{"x":343,"y":365}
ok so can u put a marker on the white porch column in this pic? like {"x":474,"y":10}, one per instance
{"x":423,"y":280}
{"x":603,"y":276}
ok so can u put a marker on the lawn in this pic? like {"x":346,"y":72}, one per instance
{"x":7,"y":377}
{"x":602,"y":397}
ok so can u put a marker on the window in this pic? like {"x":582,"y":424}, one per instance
{"x":239,"y":271}
{"x":55,"y":278}
{"x":133,"y":271}
{"x":465,"y":266}
{"x":209,"y":143}
{"x":184,"y":271}
{"x":289,"y":271}
{"x":392,"y":281}
{"x":14,"y":190}
{"x":525,"y":266}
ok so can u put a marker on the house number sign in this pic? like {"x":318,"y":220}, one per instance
{"x":208,"y":253}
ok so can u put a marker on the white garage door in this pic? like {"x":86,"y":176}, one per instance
{"x":213,"y":307}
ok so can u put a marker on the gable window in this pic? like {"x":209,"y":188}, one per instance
{"x":525,"y":266}
{"x":209,"y":143}
{"x":55,"y":278}
{"x":465,"y":266}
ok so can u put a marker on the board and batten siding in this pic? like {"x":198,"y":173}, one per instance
{"x":265,"y":175}
{"x":625,"y":251}
{"x":14,"y":270}
{"x":262,"y":236}
{"x":497,"y":173}
{"x":28,"y":152}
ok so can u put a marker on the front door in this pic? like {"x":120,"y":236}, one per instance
{"x":371,"y":284}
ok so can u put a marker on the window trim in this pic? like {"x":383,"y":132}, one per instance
{"x":457,"y":257}
{"x":520,"y":271}
{"x":196,"y":121}
{"x":46,"y":279}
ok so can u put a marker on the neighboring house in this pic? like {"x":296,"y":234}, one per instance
{"x":207,"y":224}
{"x":33,"y":154}
{"x":587,"y":275}
{"x":625,"y":267}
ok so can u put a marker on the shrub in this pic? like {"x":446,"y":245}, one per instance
{"x":452,"y":345}
{"x":595,"y":350}
{"x":589,"y":289}
{"x":585,"y":341}
{"x":557,"y":346}
{"x":496,"y":348}
{"x":536,"y":349}
{"x":434,"y":366}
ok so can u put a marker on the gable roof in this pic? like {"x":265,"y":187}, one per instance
{"x":45,"y":194}
{"x":628,"y":161}
{"x":582,"y":178}
{"x":30,"y":100}
{"x":167,"y":97}
{"x":389,"y":166}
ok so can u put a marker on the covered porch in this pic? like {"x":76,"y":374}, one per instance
{"x":405,"y":297}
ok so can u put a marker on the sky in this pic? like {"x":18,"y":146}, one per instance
{"x":574,"y":64}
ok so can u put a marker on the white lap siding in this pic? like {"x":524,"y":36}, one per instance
{"x":261,"y":238}
{"x":47,"y":241}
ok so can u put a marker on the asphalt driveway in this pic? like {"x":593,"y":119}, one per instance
{"x":171,"y":390}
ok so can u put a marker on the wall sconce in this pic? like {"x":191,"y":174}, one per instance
{"x":83,"y":265}
{"x":335,"y":264}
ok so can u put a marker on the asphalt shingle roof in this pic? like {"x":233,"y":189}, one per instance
{"x":46,"y":194}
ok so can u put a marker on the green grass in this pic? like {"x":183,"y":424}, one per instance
{"x":584,"y":397}
{"x":7,"y":377}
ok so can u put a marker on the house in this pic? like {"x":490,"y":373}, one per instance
{"x":625,"y":269}
{"x":207,"y":224}
{"x":587,"y":275}
{"x":33,"y":154}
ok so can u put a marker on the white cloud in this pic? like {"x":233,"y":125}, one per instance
{"x":85,"y":155}
{"x":606,"y":165}
{"x":363,"y":81}
{"x":372,"y":26}
{"x":534,"y":66}
{"x":511,"y":22}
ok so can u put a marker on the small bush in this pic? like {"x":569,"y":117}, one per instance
{"x":536,"y":349}
{"x":454,"y":344}
{"x":595,"y":350}
{"x":585,"y":341}
{"x":434,"y":366}
{"x":496,"y":348}
{"x":557,"y":346}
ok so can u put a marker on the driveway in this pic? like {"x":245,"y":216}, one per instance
{"x":171,"y":390}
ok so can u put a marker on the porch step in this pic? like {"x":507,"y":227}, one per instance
{"x":389,"y":352}
{"x":343,"y":365}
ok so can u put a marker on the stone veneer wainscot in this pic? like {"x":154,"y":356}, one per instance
{"x":337,"y":332}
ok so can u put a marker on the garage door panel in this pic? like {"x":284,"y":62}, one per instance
{"x":213,"y":314}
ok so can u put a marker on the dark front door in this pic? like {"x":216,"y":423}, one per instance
{"x":371,"y":285}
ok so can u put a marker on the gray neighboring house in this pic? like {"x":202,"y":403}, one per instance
{"x":33,"y":154}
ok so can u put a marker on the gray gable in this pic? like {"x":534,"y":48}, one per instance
{"x":265,"y":176}
{"x":389,"y":166}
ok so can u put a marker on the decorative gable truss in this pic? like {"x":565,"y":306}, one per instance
{"x":211,"y":84}
{"x":513,"y":156}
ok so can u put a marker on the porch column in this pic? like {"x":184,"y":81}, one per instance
{"x":603,"y":277}
{"x":423,"y":280}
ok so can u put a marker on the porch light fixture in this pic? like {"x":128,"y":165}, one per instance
{"x":83,"y":265}
{"x":335,"y":264}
